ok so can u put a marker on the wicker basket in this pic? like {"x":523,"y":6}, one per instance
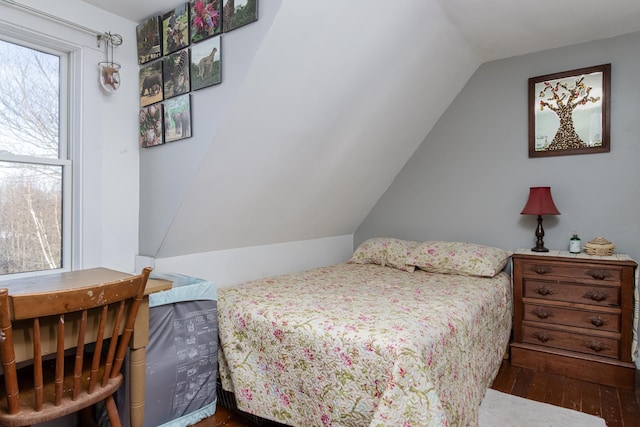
{"x":599,"y":246}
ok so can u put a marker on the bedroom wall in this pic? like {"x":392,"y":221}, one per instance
{"x":234,"y":266}
{"x":167,"y":171}
{"x":470,"y":177}
{"x":104,"y":127}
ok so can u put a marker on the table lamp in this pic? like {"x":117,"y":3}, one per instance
{"x":540,"y":203}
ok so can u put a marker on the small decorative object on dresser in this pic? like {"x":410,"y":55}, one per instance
{"x":573,"y":315}
{"x":574,"y":244}
{"x":599,"y":246}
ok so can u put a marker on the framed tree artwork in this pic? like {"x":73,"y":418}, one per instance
{"x":205,"y":63}
{"x":177,"y":118}
{"x":237,"y":13}
{"x":569,"y":112}
{"x":206,"y":19}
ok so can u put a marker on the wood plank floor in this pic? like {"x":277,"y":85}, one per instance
{"x":619,"y":408}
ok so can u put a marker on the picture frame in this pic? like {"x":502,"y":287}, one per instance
{"x":206,"y":63}
{"x":151,"y":126}
{"x":177,"y":118}
{"x":151,"y":84}
{"x":206,"y":19}
{"x":176,"y":73}
{"x":569,"y":112}
{"x":149,"y":42}
{"x":175,"y":29}
{"x":238,"y":13}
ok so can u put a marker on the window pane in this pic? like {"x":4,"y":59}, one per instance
{"x":30,"y":217}
{"x":29,"y":101}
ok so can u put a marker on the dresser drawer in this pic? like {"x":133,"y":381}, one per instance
{"x":608,"y":296}
{"x":600,"y":346}
{"x":565,"y":316}
{"x":607,"y":274}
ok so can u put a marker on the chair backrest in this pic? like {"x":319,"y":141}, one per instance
{"x":109,"y":309}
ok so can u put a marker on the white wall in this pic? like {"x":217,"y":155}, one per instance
{"x":313,"y":120}
{"x":234,"y":266}
{"x":105,"y":129}
{"x":167,"y":171}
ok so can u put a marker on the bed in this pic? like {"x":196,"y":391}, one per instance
{"x":403,"y":334}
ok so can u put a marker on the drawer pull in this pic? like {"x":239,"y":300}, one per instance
{"x":597,"y":321}
{"x":597,"y":296}
{"x":599,"y":274}
{"x":541,"y":269}
{"x":597,"y":346}
{"x":544,"y":291}
{"x":541,"y":313}
{"x":541,"y":336}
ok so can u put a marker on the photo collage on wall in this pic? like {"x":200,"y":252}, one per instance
{"x":180,"y":52}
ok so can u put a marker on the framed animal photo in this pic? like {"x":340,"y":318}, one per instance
{"x":237,"y":13}
{"x":151,"y":83}
{"x":177,"y":118}
{"x":175,"y":29}
{"x":148,"y":40}
{"x":151,"y":126}
{"x":206,"y":64}
{"x":175,"y":69}
{"x":206,"y":19}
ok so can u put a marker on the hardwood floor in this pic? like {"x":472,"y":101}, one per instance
{"x":619,"y":408}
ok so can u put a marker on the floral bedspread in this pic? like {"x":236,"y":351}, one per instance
{"x":364,"y":345}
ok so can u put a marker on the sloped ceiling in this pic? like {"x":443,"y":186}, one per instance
{"x":327,"y":116}
{"x":339,"y":96}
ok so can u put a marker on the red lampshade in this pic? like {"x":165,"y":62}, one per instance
{"x":540,"y":202}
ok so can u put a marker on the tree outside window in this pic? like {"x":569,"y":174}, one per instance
{"x":33,"y":160}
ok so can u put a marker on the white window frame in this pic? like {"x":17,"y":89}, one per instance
{"x":69,"y":149}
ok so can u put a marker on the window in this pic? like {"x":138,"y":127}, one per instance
{"x":35,"y":166}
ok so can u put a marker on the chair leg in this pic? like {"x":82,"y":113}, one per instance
{"x":112,"y":412}
{"x":86,"y":417}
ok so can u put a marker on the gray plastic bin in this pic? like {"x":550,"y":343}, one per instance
{"x":181,"y":355}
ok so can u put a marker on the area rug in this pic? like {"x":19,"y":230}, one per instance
{"x":504,"y":410}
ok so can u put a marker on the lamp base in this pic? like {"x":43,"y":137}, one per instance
{"x":540,"y":249}
{"x":539,"y":235}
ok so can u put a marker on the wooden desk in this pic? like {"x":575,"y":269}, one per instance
{"x":90,"y":277}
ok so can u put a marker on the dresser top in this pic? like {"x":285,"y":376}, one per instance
{"x":567,"y":254}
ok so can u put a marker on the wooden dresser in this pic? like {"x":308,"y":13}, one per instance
{"x":573,"y":315}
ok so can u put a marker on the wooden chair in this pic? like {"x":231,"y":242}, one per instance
{"x":53,"y":387}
